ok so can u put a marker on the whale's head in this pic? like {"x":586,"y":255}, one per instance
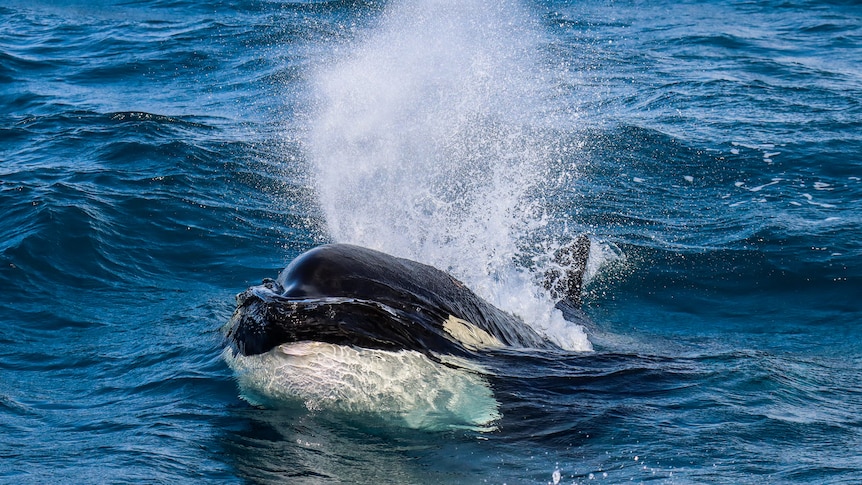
{"x":267,"y":316}
{"x":347,"y":295}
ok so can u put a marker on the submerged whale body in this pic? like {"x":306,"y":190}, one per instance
{"x":355,"y":330}
{"x":349,"y":295}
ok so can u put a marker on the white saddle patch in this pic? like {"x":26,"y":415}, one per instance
{"x":473,"y":337}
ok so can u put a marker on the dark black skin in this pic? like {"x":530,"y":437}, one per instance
{"x":350,"y":295}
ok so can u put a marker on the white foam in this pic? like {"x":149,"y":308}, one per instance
{"x":759,"y":187}
{"x":404,"y":387}
{"x":556,"y":477}
{"x":810,"y":199}
{"x":761,"y":146}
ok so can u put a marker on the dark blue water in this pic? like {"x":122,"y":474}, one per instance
{"x":157,"y":157}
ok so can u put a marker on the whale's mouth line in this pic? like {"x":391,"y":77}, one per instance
{"x":263,"y":320}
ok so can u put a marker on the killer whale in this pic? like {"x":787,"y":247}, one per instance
{"x":356,"y":331}
{"x":348,"y":295}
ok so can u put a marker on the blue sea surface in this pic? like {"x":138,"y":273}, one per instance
{"x":159,"y":156}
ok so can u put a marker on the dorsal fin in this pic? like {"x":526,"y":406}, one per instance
{"x":565,"y":279}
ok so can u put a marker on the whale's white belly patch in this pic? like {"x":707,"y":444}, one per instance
{"x":404,"y":384}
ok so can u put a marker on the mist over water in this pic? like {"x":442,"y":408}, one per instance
{"x":427,"y":145}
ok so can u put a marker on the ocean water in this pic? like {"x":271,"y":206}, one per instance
{"x":159,"y":156}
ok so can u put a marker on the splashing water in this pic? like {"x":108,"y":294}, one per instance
{"x":426,"y":145}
